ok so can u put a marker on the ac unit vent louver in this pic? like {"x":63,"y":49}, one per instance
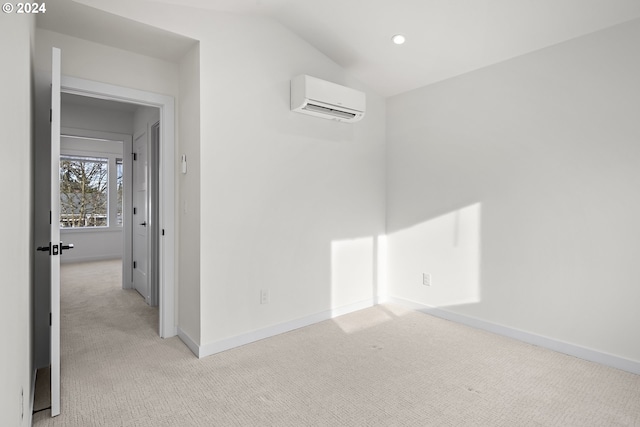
{"x":330,"y":111}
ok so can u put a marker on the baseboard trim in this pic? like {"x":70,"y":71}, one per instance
{"x":260,"y":334}
{"x":527,"y":337}
{"x":189,"y":342}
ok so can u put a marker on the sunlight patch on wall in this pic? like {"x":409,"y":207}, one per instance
{"x":352,"y":271}
{"x":358,"y":281}
{"x":447,"y":248}
{"x":381,"y":292}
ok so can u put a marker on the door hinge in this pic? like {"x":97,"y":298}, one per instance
{"x":135,"y":156}
{"x":134,"y":265}
{"x":50,"y":115}
{"x":163,"y":231}
{"x":135,"y":211}
{"x":50,"y":219}
{"x":49,"y":319}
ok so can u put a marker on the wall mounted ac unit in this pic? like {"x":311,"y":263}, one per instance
{"x":320,"y":98}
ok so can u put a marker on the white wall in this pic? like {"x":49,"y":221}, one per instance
{"x":96,"y":119}
{"x":278,"y":189}
{"x":516,"y":186}
{"x":16,"y":115}
{"x":281,"y":188}
{"x":189,"y":188}
{"x":144,"y":118}
{"x":92,"y":245}
{"x":93,"y":61}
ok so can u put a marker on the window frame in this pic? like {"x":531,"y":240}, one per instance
{"x":110,"y":146}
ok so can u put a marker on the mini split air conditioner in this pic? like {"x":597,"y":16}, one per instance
{"x":310,"y":95}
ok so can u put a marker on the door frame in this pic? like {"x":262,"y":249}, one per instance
{"x":166,"y":202}
{"x":154,"y":192}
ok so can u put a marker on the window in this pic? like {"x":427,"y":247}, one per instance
{"x":84,"y":191}
{"x":92,"y":179}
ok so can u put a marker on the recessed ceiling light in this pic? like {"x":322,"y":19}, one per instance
{"x":398,"y":39}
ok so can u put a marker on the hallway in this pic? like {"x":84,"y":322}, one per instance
{"x":99,"y":321}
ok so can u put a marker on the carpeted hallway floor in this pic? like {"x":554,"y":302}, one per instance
{"x":384,"y":366}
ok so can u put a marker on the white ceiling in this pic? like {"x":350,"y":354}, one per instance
{"x":445,"y":38}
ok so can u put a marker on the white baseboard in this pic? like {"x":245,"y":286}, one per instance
{"x":189,"y":342}
{"x":538,"y":340}
{"x":237,"y":341}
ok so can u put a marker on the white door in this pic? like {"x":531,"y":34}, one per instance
{"x":55,"y":246}
{"x":141,"y":217}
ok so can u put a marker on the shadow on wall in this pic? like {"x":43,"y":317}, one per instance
{"x":447,"y":249}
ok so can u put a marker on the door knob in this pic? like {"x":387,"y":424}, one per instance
{"x":55,"y":249}
{"x":144,"y":224}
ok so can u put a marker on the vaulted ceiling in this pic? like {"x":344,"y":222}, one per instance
{"x":445,"y":38}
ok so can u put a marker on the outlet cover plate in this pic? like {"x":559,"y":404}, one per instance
{"x":426,"y":279}
{"x":264,"y":296}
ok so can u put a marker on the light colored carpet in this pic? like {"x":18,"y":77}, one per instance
{"x":384,"y":366}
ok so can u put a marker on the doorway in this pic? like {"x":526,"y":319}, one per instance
{"x":109,"y":187}
{"x":165,"y":235}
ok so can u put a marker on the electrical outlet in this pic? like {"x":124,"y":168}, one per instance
{"x":426,"y":279}
{"x":264,"y":296}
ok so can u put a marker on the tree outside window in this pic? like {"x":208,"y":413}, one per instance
{"x":83,"y":192}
